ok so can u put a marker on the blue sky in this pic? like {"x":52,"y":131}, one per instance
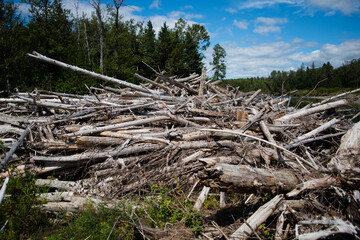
{"x":260,"y":35}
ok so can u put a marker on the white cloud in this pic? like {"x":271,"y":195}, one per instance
{"x":261,"y":59}
{"x":24,"y":9}
{"x":336,"y":54}
{"x":155,"y":4}
{"x":347,"y":7}
{"x":241,"y":24}
{"x":263,"y":3}
{"x":231,"y":10}
{"x":179,"y":14}
{"x":267,"y":29}
{"x":187,"y":7}
{"x":271,"y":21}
{"x":268,"y":25}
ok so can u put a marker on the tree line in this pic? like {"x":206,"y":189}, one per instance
{"x":305,"y":77}
{"x":102,"y":42}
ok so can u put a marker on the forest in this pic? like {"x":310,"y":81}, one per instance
{"x":326,"y":78}
{"x":102,"y":43}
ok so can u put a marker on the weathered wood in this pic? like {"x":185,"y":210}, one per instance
{"x":317,"y":130}
{"x":309,"y":111}
{"x":55,"y":183}
{"x":202,"y":83}
{"x":313,"y":184}
{"x":260,"y":216}
{"x":348,"y":153}
{"x":177,"y":84}
{"x":330,"y":227}
{"x":15,"y":146}
{"x":336,"y":96}
{"x":87,"y":130}
{"x":252,"y":97}
{"x":246,"y":179}
{"x":102,"y":154}
{"x":201,"y":199}
{"x":153,"y":82}
{"x":89,"y":73}
{"x":293,"y":145}
{"x":3,"y":189}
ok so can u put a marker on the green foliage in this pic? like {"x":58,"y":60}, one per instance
{"x":171,"y":206}
{"x":211,"y":202}
{"x":194,"y":221}
{"x":22,"y":209}
{"x":218,"y":62}
{"x":265,"y":232}
{"x":97,"y":224}
{"x":305,"y":78}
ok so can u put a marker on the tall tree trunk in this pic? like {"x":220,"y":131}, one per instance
{"x":87,"y":43}
{"x":96,"y":5}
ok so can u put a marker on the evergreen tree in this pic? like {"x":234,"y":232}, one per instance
{"x":218,"y":62}
{"x":163,"y":47}
{"x":12,"y":33}
{"x":50,"y":33}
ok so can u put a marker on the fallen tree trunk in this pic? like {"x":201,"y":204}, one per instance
{"x":309,"y":111}
{"x":246,"y":179}
{"x":260,"y":216}
{"x":89,"y":73}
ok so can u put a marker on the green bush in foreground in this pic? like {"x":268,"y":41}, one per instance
{"x":22,"y":209}
{"x":100,"y":223}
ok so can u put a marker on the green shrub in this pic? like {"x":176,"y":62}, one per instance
{"x":22,"y":209}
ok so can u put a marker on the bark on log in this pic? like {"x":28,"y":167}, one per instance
{"x":246,"y":179}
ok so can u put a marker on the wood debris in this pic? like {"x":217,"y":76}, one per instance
{"x":188,"y":132}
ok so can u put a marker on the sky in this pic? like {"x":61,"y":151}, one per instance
{"x":259,"y":36}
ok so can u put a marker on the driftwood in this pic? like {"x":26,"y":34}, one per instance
{"x":251,"y":224}
{"x":247,"y":179}
{"x":193,"y":134}
{"x":3,"y":189}
{"x":15,"y":146}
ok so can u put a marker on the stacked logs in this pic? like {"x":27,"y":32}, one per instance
{"x":187,"y":132}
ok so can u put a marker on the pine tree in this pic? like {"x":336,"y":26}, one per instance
{"x":218,"y":62}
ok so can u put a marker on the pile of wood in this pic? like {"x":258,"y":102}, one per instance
{"x":191,"y":133}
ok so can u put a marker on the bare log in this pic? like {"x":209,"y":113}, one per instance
{"x":153,"y":82}
{"x":15,"y":146}
{"x":252,"y":97}
{"x":89,"y":73}
{"x":3,"y":189}
{"x":101,"y":155}
{"x":317,"y":130}
{"x":330,"y":227}
{"x":348,"y":153}
{"x":91,"y":130}
{"x":260,"y":216}
{"x":177,"y":84}
{"x":313,"y":184}
{"x":201,"y":199}
{"x":337,"y":96}
{"x":247,"y":179}
{"x":55,"y":183}
{"x":309,"y":111}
